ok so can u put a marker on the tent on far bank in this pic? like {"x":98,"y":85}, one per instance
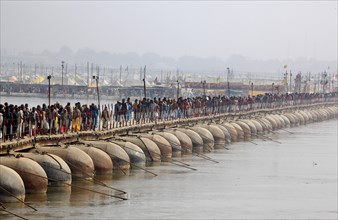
{"x":12,"y":79}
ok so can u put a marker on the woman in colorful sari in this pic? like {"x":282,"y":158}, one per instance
{"x":76,"y":119}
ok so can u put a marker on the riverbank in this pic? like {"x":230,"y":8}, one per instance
{"x":58,"y":96}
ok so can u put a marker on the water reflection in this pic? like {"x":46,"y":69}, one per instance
{"x":59,"y":194}
{"x":40,"y":198}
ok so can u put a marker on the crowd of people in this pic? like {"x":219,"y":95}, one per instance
{"x":18,"y":121}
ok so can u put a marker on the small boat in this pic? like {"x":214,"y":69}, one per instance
{"x":305,"y":116}
{"x":258,"y":126}
{"x":273,"y":122}
{"x":208,"y":139}
{"x":33,"y":175}
{"x":313,"y":115}
{"x":81,"y":165}
{"x":301,"y":118}
{"x":309,"y":116}
{"x":252,"y":127}
{"x":162,"y":143}
{"x":174,"y":142}
{"x":11,"y":185}
{"x":134,"y":152}
{"x":149,"y":147}
{"x":240,"y":132}
{"x":294,"y":120}
{"x":245,"y":128}
{"x":185,"y":141}
{"x":119,"y":157}
{"x":226,"y":133}
{"x":286,"y":121}
{"x":232,"y":131}
{"x":217,"y":133}
{"x":102,"y":162}
{"x":197,"y":141}
{"x":265,"y":122}
{"x":57,"y":170}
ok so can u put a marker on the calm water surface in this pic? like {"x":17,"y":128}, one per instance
{"x":293,"y":180}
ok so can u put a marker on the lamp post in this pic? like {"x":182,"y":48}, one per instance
{"x":75,"y":69}
{"x":144,"y":83}
{"x":203,"y":83}
{"x":62,"y":66}
{"x":178,"y":89}
{"x":290,"y":82}
{"x":285,"y":82}
{"x":324,"y":81}
{"x":97,"y":90}
{"x":228,"y":84}
{"x":318,"y":81}
{"x":252,"y":89}
{"x":273,"y":84}
{"x":49,"y":77}
{"x":144,"y":88}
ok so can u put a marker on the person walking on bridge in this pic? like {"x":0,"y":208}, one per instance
{"x":76,"y":119}
{"x":105,"y":118}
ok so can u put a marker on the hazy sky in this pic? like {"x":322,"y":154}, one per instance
{"x":256,"y":29}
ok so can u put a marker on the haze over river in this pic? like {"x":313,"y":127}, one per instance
{"x":296,"y":179}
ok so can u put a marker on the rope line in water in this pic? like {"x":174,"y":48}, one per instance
{"x":68,"y":184}
{"x":11,"y":194}
{"x":3,"y":208}
{"x":94,"y":180}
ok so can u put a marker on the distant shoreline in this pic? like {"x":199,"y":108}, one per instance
{"x":34,"y":99}
{"x":58,"y":96}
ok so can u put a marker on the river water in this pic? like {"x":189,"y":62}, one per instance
{"x":296,"y":179}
